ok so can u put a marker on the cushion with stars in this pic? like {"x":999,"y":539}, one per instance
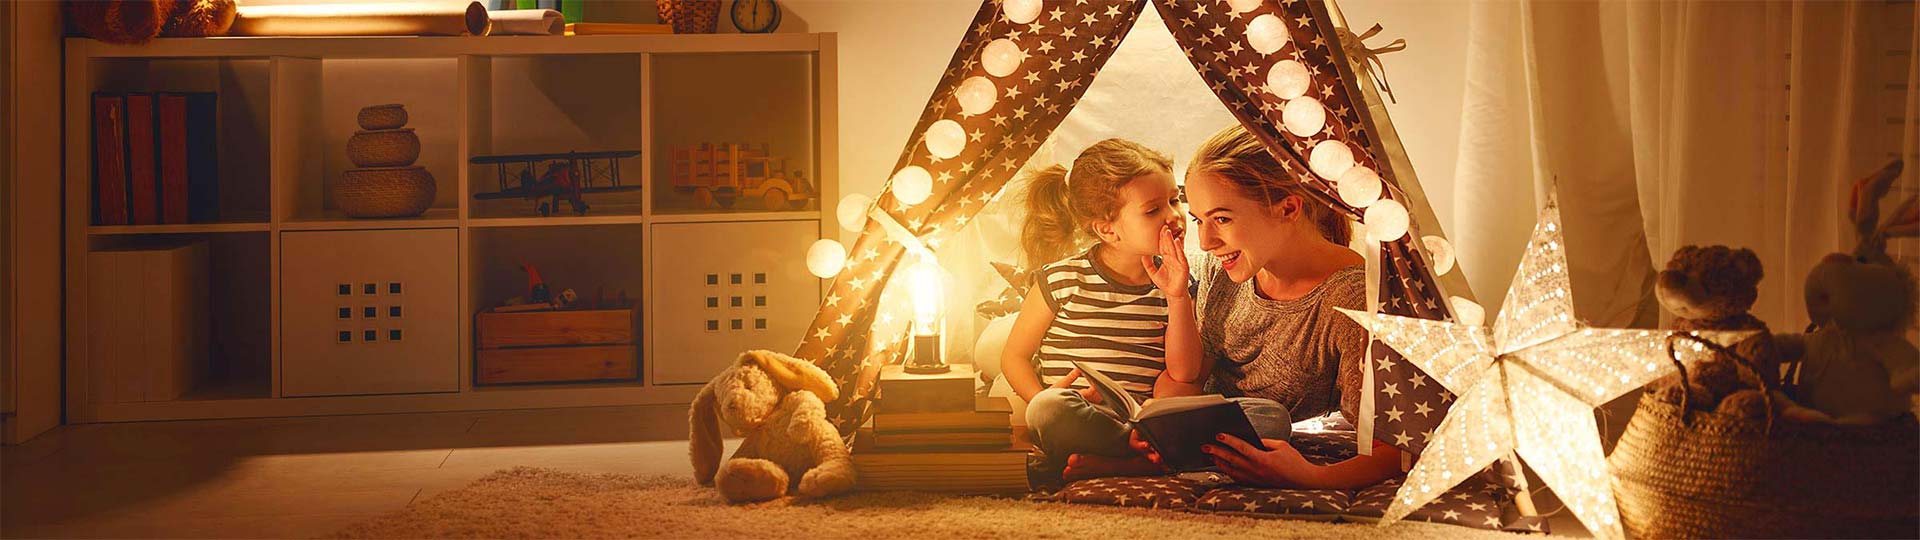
{"x":1143,"y":492}
{"x":1472,"y":503}
{"x":1324,"y":447}
{"x":1317,"y":505}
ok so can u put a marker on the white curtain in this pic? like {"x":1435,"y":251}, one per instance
{"x":1672,"y":123}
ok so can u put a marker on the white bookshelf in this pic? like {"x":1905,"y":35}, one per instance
{"x":287,"y":106}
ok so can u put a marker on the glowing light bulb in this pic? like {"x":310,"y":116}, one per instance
{"x":925,"y":291}
{"x":1359,"y":187}
{"x":1442,"y":252}
{"x":852,"y":211}
{"x":946,"y":139}
{"x":1243,"y":6}
{"x":912,"y":185}
{"x":1304,"y":116}
{"x":1020,"y":11}
{"x":1330,"y":159}
{"x":976,"y":95}
{"x":826,"y":257}
{"x":1267,"y":34}
{"x":1288,"y":79}
{"x":1001,"y":57}
{"x":1386,"y":220}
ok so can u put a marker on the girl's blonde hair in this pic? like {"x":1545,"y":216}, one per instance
{"x":1237,"y":156}
{"x":1060,"y":204}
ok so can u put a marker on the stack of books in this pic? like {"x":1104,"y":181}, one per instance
{"x":931,"y":433}
{"x":154,"y":158}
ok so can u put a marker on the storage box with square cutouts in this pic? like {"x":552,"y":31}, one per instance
{"x":731,"y":287}
{"x":369,"y":312}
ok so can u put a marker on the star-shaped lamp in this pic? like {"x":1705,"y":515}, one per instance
{"x":1530,"y":383}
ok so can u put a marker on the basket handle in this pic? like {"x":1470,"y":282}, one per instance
{"x":1745,"y":364}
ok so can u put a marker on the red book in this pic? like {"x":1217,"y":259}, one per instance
{"x":109,"y":159}
{"x":142,"y":192}
{"x":171,"y":132}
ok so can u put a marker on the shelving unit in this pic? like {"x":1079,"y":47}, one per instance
{"x":286,"y":109}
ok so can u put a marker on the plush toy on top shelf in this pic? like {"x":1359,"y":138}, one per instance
{"x":1712,"y":288}
{"x":1857,"y":365}
{"x":139,"y":21}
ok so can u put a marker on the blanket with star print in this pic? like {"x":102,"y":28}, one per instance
{"x":1478,"y":504}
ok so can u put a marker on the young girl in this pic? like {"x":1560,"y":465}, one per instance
{"x":1108,"y":306}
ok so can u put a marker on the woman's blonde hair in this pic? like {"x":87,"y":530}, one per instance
{"x":1061,"y":203}
{"x":1237,"y":156}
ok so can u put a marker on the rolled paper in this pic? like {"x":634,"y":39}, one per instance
{"x":384,"y":19}
{"x":527,"y":22}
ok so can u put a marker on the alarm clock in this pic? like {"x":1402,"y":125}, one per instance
{"x":755,"y":16}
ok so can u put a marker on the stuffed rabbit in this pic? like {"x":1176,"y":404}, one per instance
{"x":778,"y":403}
{"x":1858,"y":366}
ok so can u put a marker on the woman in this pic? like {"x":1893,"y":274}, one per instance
{"x":1276,"y":267}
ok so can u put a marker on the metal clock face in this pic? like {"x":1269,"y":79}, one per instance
{"x":756,"y":16}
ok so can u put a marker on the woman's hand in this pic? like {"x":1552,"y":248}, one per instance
{"x":1171,"y":275}
{"x":1091,"y":395}
{"x":1279,"y":467}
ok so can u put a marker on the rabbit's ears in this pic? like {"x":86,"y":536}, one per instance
{"x":793,"y":373}
{"x":1863,"y":209}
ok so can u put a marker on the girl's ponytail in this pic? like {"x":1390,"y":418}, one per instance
{"x":1050,"y":232}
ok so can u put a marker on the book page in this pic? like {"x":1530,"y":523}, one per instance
{"x":1116,"y":397}
{"x":1165,"y":406}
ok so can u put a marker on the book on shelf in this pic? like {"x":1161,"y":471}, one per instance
{"x":903,"y":392}
{"x":600,"y":28}
{"x":1001,"y":468}
{"x":911,"y":421}
{"x":143,"y":196}
{"x":110,"y":159}
{"x":1178,"y":426}
{"x":189,"y":169}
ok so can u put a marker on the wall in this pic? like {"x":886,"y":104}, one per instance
{"x":30,"y":331}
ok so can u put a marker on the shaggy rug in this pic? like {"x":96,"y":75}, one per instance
{"x":528,"y":502}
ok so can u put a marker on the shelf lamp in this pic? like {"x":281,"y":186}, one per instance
{"x":925,"y":291}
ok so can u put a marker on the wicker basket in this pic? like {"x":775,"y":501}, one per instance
{"x":690,"y":16}
{"x":1710,"y":475}
{"x":384,"y":192}
{"x":384,"y":148}
{"x":389,"y":116}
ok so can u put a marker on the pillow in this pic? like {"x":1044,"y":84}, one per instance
{"x":1316,"y":505}
{"x":1141,"y":492}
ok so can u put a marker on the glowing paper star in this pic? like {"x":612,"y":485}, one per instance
{"x":1530,"y":383}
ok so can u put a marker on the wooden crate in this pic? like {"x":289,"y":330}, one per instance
{"x":556,"y":346}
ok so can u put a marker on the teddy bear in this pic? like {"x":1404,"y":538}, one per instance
{"x":1857,"y":366}
{"x":1712,"y":288}
{"x":139,"y":21}
{"x":778,"y":403}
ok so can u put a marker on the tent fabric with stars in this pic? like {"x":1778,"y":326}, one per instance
{"x":1285,"y":69}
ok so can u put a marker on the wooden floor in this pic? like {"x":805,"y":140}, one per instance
{"x":304,"y":477}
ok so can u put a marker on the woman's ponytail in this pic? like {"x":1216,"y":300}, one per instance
{"x":1050,"y":232}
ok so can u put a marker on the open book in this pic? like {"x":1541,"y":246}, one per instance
{"x":1176,"y":426}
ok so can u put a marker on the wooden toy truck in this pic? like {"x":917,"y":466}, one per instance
{"x":717,"y":174}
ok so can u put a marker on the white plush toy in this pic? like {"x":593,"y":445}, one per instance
{"x":778,"y":403}
{"x":1858,"y":366}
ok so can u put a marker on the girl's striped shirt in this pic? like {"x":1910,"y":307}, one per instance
{"x":1118,"y":329}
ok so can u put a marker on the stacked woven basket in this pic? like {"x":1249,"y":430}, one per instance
{"x":384,"y":182}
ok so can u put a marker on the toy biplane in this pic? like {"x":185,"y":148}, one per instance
{"x":568,"y":175}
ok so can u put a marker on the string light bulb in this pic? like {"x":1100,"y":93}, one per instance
{"x":1288,"y":79}
{"x":852,"y":211}
{"x":1267,"y":34}
{"x":1001,"y":57}
{"x":976,"y":95}
{"x":1386,"y":220}
{"x":826,"y":257}
{"x":1303,"y":117}
{"x":946,"y":139}
{"x":1330,"y":159}
{"x":912,"y":185}
{"x":1442,"y":252}
{"x":1020,"y":11}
